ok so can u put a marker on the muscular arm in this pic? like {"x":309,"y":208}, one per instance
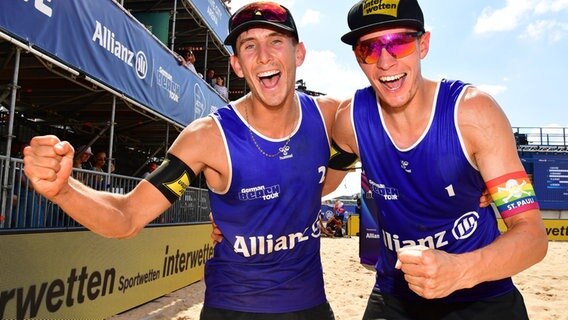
{"x":343,"y":132}
{"x":490,"y":144}
{"x":48,"y":164}
{"x":490,"y":141}
{"x":343,"y":135}
{"x":329,"y":107}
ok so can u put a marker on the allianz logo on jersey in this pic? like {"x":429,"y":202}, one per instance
{"x":266,"y":244}
{"x":260,"y":193}
{"x":105,"y":38}
{"x":463,"y":228}
{"x":380,"y":189}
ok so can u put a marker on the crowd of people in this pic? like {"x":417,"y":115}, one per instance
{"x":215,"y":80}
{"x":393,"y":127}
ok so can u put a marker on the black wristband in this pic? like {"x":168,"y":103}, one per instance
{"x":341,"y":159}
{"x":172,"y":177}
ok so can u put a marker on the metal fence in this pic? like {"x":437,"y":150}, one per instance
{"x":23,"y":209}
{"x":541,"y":139}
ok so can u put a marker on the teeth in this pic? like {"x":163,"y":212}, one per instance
{"x":268,"y":73}
{"x":391,"y":78}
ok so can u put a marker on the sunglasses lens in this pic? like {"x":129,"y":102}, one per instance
{"x":262,"y":11}
{"x":398,"y":45}
{"x":368,"y":51}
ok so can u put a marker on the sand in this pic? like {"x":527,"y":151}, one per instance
{"x":348,"y":284}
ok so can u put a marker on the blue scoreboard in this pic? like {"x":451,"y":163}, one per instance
{"x":550,"y":181}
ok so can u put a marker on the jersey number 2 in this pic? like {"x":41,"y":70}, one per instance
{"x":321,"y":170}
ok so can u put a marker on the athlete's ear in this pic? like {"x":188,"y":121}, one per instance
{"x":236,"y":65}
{"x":424,"y":44}
{"x":300,"y":54}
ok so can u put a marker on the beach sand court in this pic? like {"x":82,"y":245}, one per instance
{"x":348,"y":284}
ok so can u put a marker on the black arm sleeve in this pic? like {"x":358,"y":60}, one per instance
{"x":172,"y":177}
{"x":341,"y":159}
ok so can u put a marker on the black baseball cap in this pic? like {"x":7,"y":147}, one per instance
{"x":260,"y":14}
{"x":368,"y":15}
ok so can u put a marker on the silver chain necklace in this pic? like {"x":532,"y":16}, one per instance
{"x":284,"y":149}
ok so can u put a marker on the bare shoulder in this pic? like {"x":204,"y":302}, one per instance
{"x":343,"y":133}
{"x":487,"y":133}
{"x":478,"y":108}
{"x":198,"y":132}
{"x":343,"y":114}
{"x":199,"y":143}
{"x":329,"y":101}
{"x":345,"y":106}
{"x":328,"y":105}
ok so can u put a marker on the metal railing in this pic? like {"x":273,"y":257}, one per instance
{"x":541,"y":139}
{"x":24,"y":209}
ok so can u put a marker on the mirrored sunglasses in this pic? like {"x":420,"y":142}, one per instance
{"x":398,"y":45}
{"x":268,"y":11}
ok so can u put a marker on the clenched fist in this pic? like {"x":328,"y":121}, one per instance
{"x":47,"y":164}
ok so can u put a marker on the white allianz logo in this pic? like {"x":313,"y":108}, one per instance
{"x":463,"y":228}
{"x":465,"y":225}
{"x":106,"y":39}
{"x":269,"y":243}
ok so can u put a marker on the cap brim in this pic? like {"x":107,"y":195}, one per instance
{"x":233,"y":35}
{"x":353,"y":36}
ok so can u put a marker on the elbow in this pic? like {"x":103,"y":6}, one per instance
{"x":121,"y":233}
{"x":539,"y":245}
{"x":129,"y":234}
{"x":542,"y":246}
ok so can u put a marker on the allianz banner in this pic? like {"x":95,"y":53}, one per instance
{"x":215,"y":15}
{"x":101,"y":40}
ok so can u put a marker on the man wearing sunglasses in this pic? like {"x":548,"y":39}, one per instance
{"x":265,"y":159}
{"x":428,"y":149}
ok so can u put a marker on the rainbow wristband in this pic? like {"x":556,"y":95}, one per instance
{"x":512,"y":193}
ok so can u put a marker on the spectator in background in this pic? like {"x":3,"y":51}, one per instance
{"x":152,"y":165}
{"x":323,"y":227}
{"x":99,"y":166}
{"x":334,"y":226}
{"x":81,"y":161}
{"x":339,"y":210}
{"x":189,"y":60}
{"x":100,"y":161}
{"x":220,"y":87}
{"x":82,"y":157}
{"x":210,"y":77}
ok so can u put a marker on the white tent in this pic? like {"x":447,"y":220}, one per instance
{"x":350,"y":185}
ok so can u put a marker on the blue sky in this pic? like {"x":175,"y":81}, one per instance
{"x":514,"y":49}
